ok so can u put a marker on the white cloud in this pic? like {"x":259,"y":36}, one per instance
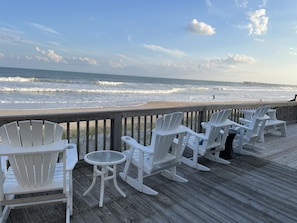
{"x":241,"y":3}
{"x":259,"y":40}
{"x":41,"y":58}
{"x":50,"y":55}
{"x":292,"y":51}
{"x":259,"y":22}
{"x":28,"y":58}
{"x":1,"y":55}
{"x":130,"y":38}
{"x":239,"y":58}
{"x":55,"y":57}
{"x":87,"y":60}
{"x":118,"y":64}
{"x":264,"y":3}
{"x":201,"y":28}
{"x":173,"y":52}
{"x":44,"y":28}
{"x":12,"y":36}
{"x":230,"y":62}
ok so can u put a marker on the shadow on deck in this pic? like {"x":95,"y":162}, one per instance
{"x":259,"y":188}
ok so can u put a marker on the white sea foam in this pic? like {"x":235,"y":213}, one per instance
{"x":112,"y":83}
{"x":16,"y":79}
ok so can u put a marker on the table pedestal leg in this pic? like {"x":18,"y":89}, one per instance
{"x":104,"y":177}
{"x":93,"y":182}
{"x":115,"y":181}
{"x":103,"y":170}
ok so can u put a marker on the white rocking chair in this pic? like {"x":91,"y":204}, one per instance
{"x":251,"y":129}
{"x":32,"y":149}
{"x":210,"y":143}
{"x":162,"y":155}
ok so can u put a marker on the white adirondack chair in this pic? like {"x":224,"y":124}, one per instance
{"x":162,"y":155}
{"x":273,"y":124}
{"x":210,"y":143}
{"x":32,"y":149}
{"x":251,"y":130}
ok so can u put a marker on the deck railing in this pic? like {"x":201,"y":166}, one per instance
{"x":97,"y":130}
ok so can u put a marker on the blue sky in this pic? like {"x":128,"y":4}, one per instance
{"x":224,"y":40}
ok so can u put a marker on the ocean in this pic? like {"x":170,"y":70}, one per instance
{"x":45,"y":89}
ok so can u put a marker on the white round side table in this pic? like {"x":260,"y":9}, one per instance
{"x":108,"y":161}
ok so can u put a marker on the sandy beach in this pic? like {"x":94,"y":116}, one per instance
{"x":155,"y":104}
{"x":152,"y":104}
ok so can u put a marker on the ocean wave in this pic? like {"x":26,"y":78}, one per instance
{"x":17,"y":79}
{"x":220,"y":88}
{"x":98,"y":91}
{"x":200,"y":88}
{"x":109,"y":83}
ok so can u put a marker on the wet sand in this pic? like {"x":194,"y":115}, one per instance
{"x":155,"y":104}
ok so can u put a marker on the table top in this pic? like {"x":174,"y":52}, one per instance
{"x":105,"y":157}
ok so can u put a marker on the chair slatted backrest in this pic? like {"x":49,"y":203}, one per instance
{"x":216,"y":130}
{"x":37,"y":168}
{"x":30,"y":133}
{"x":258,"y":122}
{"x":220,"y":116}
{"x":34,"y":169}
{"x":167,"y":129}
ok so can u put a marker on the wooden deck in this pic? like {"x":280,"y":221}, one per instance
{"x":259,"y":188}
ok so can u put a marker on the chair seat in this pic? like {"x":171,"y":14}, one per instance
{"x":273,"y":123}
{"x":192,"y":143}
{"x":147,"y":167}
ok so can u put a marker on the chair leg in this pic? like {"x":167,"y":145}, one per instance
{"x":71,"y":192}
{"x":216,"y":158}
{"x":193,"y":161}
{"x":241,"y":151}
{"x":261,"y":138}
{"x":138,"y":185}
{"x":4,"y":213}
{"x":239,"y":148}
{"x":284,"y":130}
{"x":189,"y":162}
{"x":68,"y":210}
{"x":171,"y":174}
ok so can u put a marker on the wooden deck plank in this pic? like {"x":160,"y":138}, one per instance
{"x":258,"y":188}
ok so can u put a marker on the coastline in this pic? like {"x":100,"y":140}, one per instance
{"x":152,"y":104}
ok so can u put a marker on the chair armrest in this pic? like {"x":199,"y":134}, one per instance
{"x":195,"y":134}
{"x":237,"y":126}
{"x":133,"y":143}
{"x":244,"y":121}
{"x":71,"y":156}
{"x":204,"y":124}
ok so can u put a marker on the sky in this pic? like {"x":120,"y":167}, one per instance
{"x":222,"y":40}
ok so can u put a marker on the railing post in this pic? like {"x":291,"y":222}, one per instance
{"x":201,"y":118}
{"x":116,"y":133}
